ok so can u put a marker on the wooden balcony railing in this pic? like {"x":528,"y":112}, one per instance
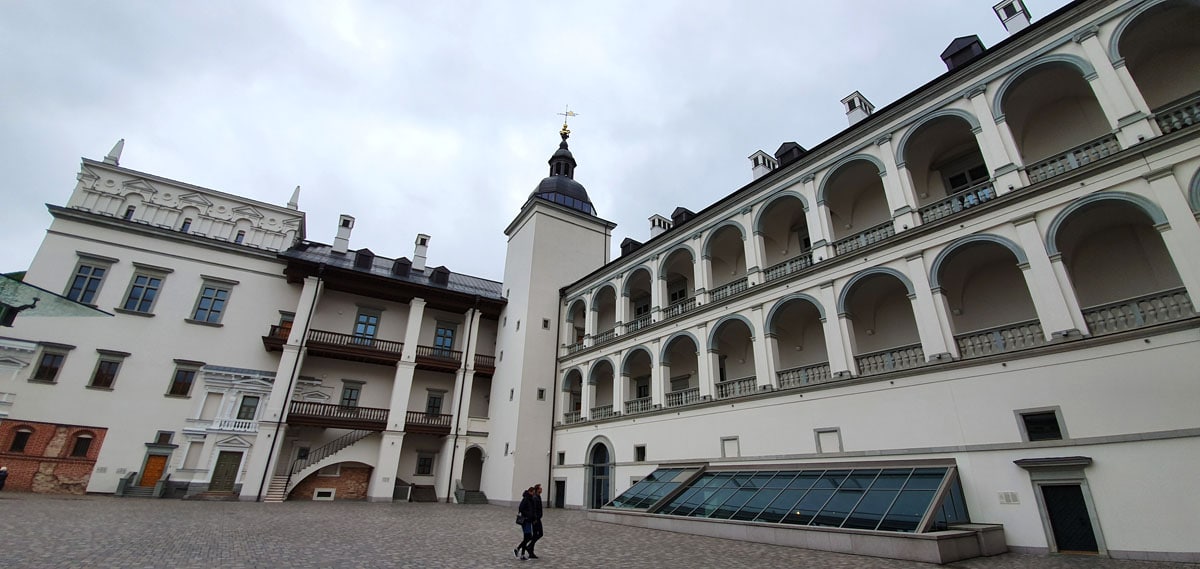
{"x":728,"y":290}
{"x":1081,"y":155}
{"x":276,"y":338}
{"x":864,"y":238}
{"x":1138,"y":312}
{"x":1007,"y":338}
{"x":427,"y":423}
{"x":958,"y":202}
{"x":805,"y":375}
{"x":438,"y":359}
{"x":639,"y":405}
{"x":355,"y":348}
{"x":890,"y":360}
{"x":1179,"y":115}
{"x":683,"y":397}
{"x":485,"y":364}
{"x":737,"y":387}
{"x":780,"y":270}
{"x":679,"y":308}
{"x":337,"y":416}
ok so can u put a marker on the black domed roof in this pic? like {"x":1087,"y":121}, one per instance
{"x":560,"y":186}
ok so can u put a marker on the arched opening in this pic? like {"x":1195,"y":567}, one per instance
{"x":604,"y":305}
{"x":947,"y":168}
{"x":1119,"y":266}
{"x":858,"y":210}
{"x":883,"y":327}
{"x":572,"y":396}
{"x":640,"y":299}
{"x":733,"y":344}
{"x":1056,"y":121}
{"x":726,"y":254}
{"x":801,"y":356}
{"x":472,"y":469}
{"x":1161,"y":50}
{"x":786,"y":245}
{"x":637,"y":372}
{"x":678,"y":275}
{"x":576,"y":325}
{"x":600,"y":382}
{"x":987,"y":300}
{"x":600,"y":478}
{"x":682,"y":375}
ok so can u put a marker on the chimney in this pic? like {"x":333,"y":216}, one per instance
{"x":962,"y":51}
{"x":857,"y":107}
{"x":760,"y":164}
{"x":1013,"y":15}
{"x":342,"y":241}
{"x":659,"y":225}
{"x":419,"y":253}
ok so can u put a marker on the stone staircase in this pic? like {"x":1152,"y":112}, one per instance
{"x":473,"y":497}
{"x":139,"y":492}
{"x":276,"y":490}
{"x":214,"y":497}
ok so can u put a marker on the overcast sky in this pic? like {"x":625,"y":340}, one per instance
{"x":439,"y":117}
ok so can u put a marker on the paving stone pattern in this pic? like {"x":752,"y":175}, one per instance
{"x":38,"y":531}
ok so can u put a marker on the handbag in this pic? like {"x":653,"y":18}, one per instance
{"x":520,"y":520}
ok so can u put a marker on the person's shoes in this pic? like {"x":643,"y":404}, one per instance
{"x":532,"y":556}
{"x":517,"y":553}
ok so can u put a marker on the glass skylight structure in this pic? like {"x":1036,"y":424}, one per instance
{"x":885,"y":499}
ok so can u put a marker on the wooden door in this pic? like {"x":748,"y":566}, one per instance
{"x":225,"y":472}
{"x":155,"y":464}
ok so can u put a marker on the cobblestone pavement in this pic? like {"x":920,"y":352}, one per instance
{"x":100,"y":532}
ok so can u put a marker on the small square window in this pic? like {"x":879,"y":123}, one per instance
{"x":85,"y":283}
{"x":639,"y":453}
{"x":541,"y":394}
{"x":20,"y":439}
{"x":49,"y":366}
{"x":1041,"y":426}
{"x":105,"y":374}
{"x":433,"y":402}
{"x":351,"y":392}
{"x":144,"y":289}
{"x":511,"y":393}
{"x":163,"y":437}
{"x":182,"y":381}
{"x":82,"y":445}
{"x":545,"y":324}
{"x":425,"y":464}
{"x":562,"y":458}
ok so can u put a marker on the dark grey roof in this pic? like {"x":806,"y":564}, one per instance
{"x":561,"y":185}
{"x":320,"y":253}
{"x":959,"y":43}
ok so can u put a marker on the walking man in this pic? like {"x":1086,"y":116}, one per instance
{"x":536,"y":507}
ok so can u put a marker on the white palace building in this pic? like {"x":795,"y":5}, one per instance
{"x":960,"y":326}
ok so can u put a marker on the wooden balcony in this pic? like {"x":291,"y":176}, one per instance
{"x":420,"y":422}
{"x":485,"y":365}
{"x":276,"y":338}
{"x":353,"y":348}
{"x":438,"y":359}
{"x":337,"y":416}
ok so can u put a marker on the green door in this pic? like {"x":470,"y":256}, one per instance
{"x":225,"y":472}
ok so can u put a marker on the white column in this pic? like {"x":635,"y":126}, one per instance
{"x":623,"y":309}
{"x":658,"y":296}
{"x":706,"y":363}
{"x":996,"y":144}
{"x":1068,"y":292}
{"x":660,"y":374}
{"x":900,"y":199}
{"x":702,"y":271}
{"x":587,"y":396}
{"x":817,"y":219}
{"x":764,"y":364}
{"x":1131,"y":89}
{"x":933,"y":341}
{"x":1132,"y":125}
{"x":837,"y":334}
{"x":752,"y":243}
{"x":620,"y":386}
{"x":383,"y":476}
{"x":1052,"y":306}
{"x":591,"y":318}
{"x":1182,"y":238}
{"x":943,"y":316}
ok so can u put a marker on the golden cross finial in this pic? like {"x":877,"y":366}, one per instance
{"x":567,"y":113}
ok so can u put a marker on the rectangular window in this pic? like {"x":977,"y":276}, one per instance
{"x":163,"y":437}
{"x":129,"y":213}
{"x":443,"y":339}
{"x":350,"y":393}
{"x":144,"y":288}
{"x":20,"y":439}
{"x":248,"y":408}
{"x":433,"y":402}
{"x":545,"y":324}
{"x":541,"y":394}
{"x":184,"y":378}
{"x":425,"y":464}
{"x":81,"y":446}
{"x":86,"y":282}
{"x":211,"y":304}
{"x":676,"y":292}
{"x":642,"y":387}
{"x":49,"y":366}
{"x":186,"y":226}
{"x":106,"y":373}
{"x":1041,"y":425}
{"x":562,"y":458}
{"x":240,"y":238}
{"x":366,"y":324}
{"x":639,"y":453}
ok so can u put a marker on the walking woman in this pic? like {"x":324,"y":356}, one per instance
{"x":526,"y":515}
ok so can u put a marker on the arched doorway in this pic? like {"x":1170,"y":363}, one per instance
{"x":472,"y":469}
{"x":600,"y":476}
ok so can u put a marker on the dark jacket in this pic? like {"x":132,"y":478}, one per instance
{"x":4,"y":476}
{"x":526,"y":508}
{"x":536,"y":500}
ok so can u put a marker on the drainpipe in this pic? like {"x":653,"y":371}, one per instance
{"x":291,"y":381}
{"x":458,"y":413}
{"x":554,"y":396}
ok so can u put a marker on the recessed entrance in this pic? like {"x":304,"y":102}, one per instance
{"x":225,"y":471}
{"x":1069,"y":520}
{"x":155,"y":464}
{"x":600,"y":468}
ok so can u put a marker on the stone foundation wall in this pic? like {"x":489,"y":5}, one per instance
{"x":45,"y":466}
{"x":350,"y":484}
